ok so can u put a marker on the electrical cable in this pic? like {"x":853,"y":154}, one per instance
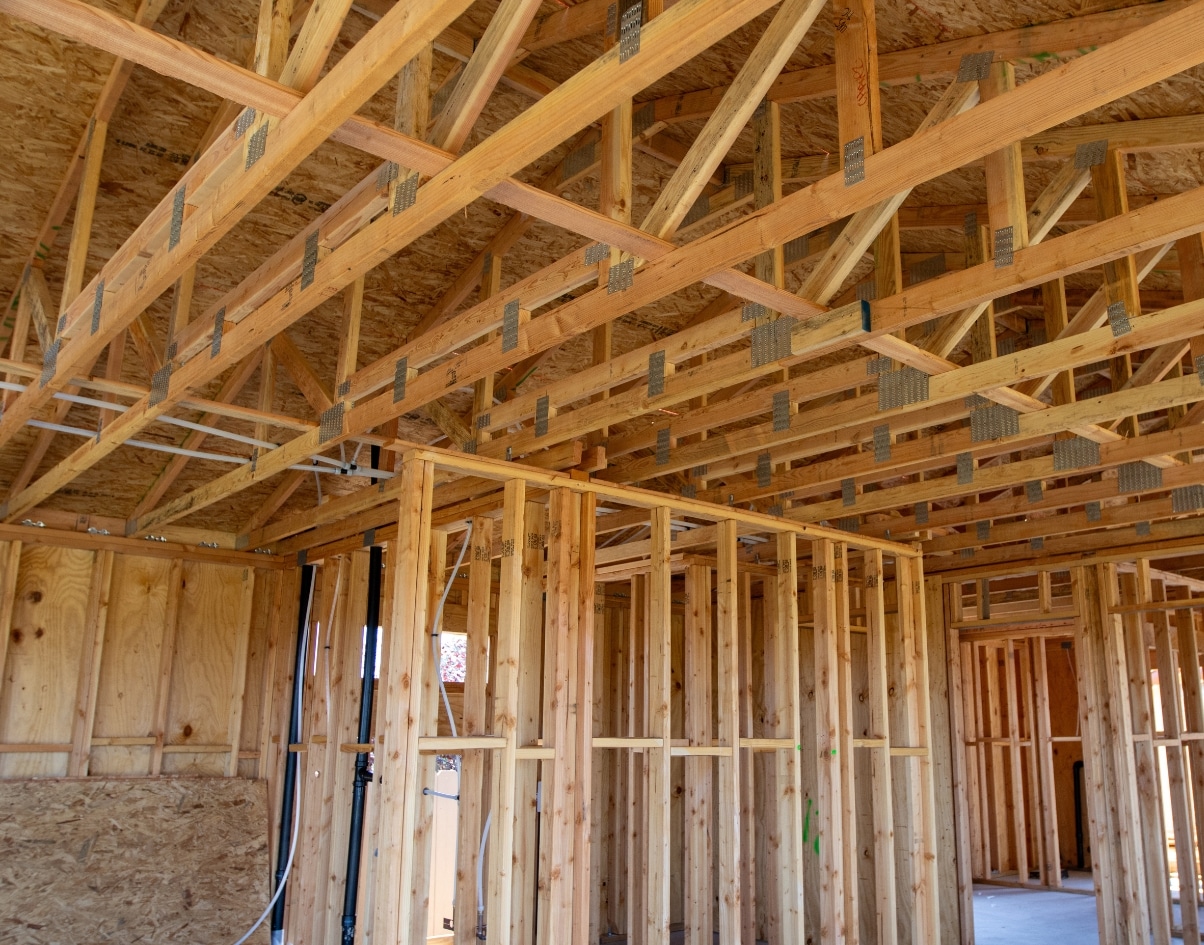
{"x":292,"y":850}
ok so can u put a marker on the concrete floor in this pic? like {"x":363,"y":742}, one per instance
{"x":1004,"y":916}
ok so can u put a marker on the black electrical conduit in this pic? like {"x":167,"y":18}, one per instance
{"x":288,"y":794}
{"x":362,"y":774}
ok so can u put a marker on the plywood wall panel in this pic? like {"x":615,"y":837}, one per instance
{"x":129,"y":670}
{"x":203,"y":668}
{"x":37,"y":694}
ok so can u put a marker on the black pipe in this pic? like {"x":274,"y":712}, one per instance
{"x":362,"y":773}
{"x":288,"y":795}
{"x":1078,"y":815}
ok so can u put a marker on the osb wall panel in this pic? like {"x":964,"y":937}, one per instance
{"x":170,"y":671}
{"x":149,"y":861}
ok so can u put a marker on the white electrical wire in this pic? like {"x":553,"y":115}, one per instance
{"x":287,"y":866}
{"x":481,"y":870}
{"x":451,"y":720}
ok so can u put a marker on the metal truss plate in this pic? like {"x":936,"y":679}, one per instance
{"x":663,"y":437}
{"x":1200,"y":368}
{"x":970,"y":225}
{"x":965,"y":468}
{"x":596,"y":252}
{"x":510,"y":326}
{"x":742,"y":185}
{"x":698,"y":210}
{"x":656,"y":373}
{"x":777,"y":509}
{"x":246,"y":118}
{"x":177,"y":219}
{"x":899,"y":388}
{"x":689,"y":491}
{"x":256,"y":145}
{"x":928,"y":268}
{"x":975,"y":401}
{"x":405,"y":193}
{"x":781,"y":411}
{"x":867,"y":290}
{"x":879,"y":366}
{"x":751,"y":311}
{"x":401,"y":374}
{"x":699,"y":472}
{"x":796,"y":249}
{"x":974,"y":67}
{"x":850,"y":523}
{"x":630,"y":24}
{"x":1143,"y":529}
{"x":580,"y":159}
{"x":387,"y":174}
{"x":993,"y":422}
{"x":642,"y":120}
{"x":1004,"y":247}
{"x":50,"y":360}
{"x":542,"y":409}
{"x":854,"y":161}
{"x":1006,"y":347}
{"x":848,"y":491}
{"x":309,"y":262}
{"x":982,"y":530}
{"x":330,"y":424}
{"x":921,"y":511}
{"x":1034,"y":491}
{"x":621,"y":276}
{"x":764,"y":470}
{"x":482,"y":421}
{"x":370,"y":538}
{"x":1036,"y":544}
{"x":219,"y":325}
{"x":470,"y":447}
{"x":1118,"y":319}
{"x":1094,"y":511}
{"x":1075,"y":453}
{"x":1138,"y":477}
{"x":967,"y":552}
{"x":98,"y":302}
{"x":160,"y":381}
{"x":1090,"y":154}
{"x":882,"y":443}
{"x":1187,"y":498}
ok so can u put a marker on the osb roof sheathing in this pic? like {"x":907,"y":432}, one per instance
{"x":48,"y":86}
